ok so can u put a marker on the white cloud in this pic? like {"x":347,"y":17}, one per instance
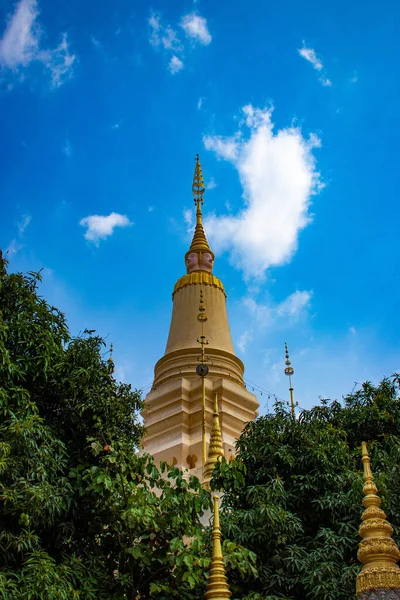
{"x":278,"y":173}
{"x":175,"y":65}
{"x":59,"y":61}
{"x":195,"y":27}
{"x":311,"y":56}
{"x":23,"y":224}
{"x":100,"y":227}
{"x":155,"y":29}
{"x":20,"y":42}
{"x":20,"y":45}
{"x":244,"y":340}
{"x":226,"y":148}
{"x":289,"y":309}
{"x":188,"y":217}
{"x":166,"y":38}
{"x":210,"y":185}
{"x":13,"y":248}
{"x":170,"y":40}
{"x":200,"y":103}
{"x":161,"y":35}
{"x":15,"y":245}
{"x":294,"y":304}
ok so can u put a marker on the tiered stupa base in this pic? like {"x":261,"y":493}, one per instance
{"x":173,"y":417}
{"x":383,"y":594}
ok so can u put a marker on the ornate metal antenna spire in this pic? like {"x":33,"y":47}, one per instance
{"x":199,"y":243}
{"x":289,"y":371}
{"x":215,"y":449}
{"x":380,"y":575}
{"x":202,"y":371}
{"x":217,"y":586}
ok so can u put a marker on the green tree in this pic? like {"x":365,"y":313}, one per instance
{"x":82,"y":514}
{"x":293,"y":494}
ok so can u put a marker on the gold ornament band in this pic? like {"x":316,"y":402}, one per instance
{"x":198,"y":278}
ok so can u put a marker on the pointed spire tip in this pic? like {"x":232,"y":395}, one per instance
{"x":199,"y":243}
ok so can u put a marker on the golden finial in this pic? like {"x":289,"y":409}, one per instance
{"x":110,"y":360}
{"x":377,"y":551}
{"x":198,"y":187}
{"x":217,"y":586}
{"x":215,"y":449}
{"x":199,"y":243}
{"x":289,"y":372}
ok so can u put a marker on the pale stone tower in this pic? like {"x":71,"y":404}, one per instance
{"x":173,"y":414}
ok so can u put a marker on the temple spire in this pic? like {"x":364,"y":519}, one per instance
{"x":289,"y":371}
{"x":199,"y":243}
{"x":217,"y":586}
{"x":215,"y":449}
{"x":380,"y":575}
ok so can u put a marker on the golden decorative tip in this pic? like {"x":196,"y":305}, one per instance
{"x":199,"y":243}
{"x":198,"y":187}
{"x":217,"y":586}
{"x":215,"y":449}
{"x":377,"y":551}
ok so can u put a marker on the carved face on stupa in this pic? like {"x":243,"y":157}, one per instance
{"x":207,"y":262}
{"x":192,"y":262}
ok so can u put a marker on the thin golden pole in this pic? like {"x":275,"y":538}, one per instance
{"x":203,"y":435}
{"x":291,"y":397}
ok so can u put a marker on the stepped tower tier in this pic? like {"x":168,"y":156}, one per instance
{"x":174,"y":408}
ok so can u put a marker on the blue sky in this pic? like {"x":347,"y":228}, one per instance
{"x":293,"y":108}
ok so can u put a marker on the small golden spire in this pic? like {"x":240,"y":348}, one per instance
{"x":217,"y":586}
{"x":199,"y":243}
{"x":215,"y":449}
{"x":110,"y":360}
{"x":377,"y":551}
{"x":289,"y":372}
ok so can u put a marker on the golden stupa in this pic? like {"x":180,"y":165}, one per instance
{"x":178,"y":412}
{"x":379,"y":578}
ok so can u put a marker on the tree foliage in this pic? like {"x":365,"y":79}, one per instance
{"x":293,"y":494}
{"x":82,"y":514}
